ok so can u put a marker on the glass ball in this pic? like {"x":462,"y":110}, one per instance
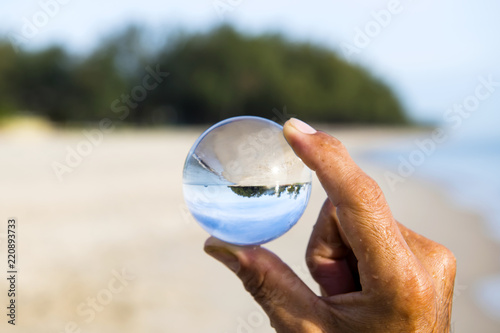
{"x":243,"y":183}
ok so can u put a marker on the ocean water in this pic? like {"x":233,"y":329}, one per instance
{"x":467,"y":169}
{"x":247,"y":214}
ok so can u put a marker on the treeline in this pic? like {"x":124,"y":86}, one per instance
{"x":192,"y":78}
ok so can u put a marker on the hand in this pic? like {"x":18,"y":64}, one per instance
{"x":375,"y":275}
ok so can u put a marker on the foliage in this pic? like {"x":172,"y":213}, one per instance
{"x":213,"y":76}
{"x":258,"y":191}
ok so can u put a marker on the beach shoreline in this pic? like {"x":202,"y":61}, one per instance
{"x":123,"y":208}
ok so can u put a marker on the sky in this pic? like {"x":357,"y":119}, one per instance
{"x":432,"y":53}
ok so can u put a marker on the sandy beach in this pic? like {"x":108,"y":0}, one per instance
{"x":107,"y":244}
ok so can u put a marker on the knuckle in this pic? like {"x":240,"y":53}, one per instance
{"x":269,"y":293}
{"x":417,"y":304}
{"x":447,"y":260}
{"x":254,"y":284}
{"x":258,"y":286}
{"x":366,"y":198}
{"x":441,"y":258}
{"x":365,"y":188}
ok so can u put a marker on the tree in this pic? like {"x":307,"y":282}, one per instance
{"x":213,"y":76}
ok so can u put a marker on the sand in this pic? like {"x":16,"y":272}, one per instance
{"x":111,"y":247}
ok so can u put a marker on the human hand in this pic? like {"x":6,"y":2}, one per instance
{"x":375,"y":275}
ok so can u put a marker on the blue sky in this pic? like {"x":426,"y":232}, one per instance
{"x":431,"y":52}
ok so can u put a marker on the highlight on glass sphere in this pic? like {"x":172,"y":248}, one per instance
{"x":243,"y":183}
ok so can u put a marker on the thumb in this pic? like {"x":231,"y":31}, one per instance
{"x":288,"y":302}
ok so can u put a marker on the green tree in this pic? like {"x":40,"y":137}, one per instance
{"x":224,"y":73}
{"x":216,"y":75}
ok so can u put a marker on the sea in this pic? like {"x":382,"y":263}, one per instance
{"x":466,"y":164}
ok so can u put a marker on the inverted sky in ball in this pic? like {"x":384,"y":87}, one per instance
{"x":243,"y":183}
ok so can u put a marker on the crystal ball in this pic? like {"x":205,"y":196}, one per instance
{"x":243,"y":183}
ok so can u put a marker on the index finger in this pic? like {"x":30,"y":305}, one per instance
{"x":362,"y":210}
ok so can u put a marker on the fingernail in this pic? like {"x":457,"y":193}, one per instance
{"x":302,"y":126}
{"x":225,"y":256}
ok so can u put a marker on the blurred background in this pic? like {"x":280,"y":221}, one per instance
{"x":100,"y":103}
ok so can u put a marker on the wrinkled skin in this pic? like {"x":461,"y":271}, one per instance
{"x":375,"y":275}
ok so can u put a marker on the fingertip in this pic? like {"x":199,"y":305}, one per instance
{"x":289,"y":131}
{"x":214,"y":242}
{"x":301,"y":126}
{"x":223,"y":252}
{"x":294,"y":128}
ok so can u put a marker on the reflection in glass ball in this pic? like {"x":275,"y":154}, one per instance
{"x":243,"y":183}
